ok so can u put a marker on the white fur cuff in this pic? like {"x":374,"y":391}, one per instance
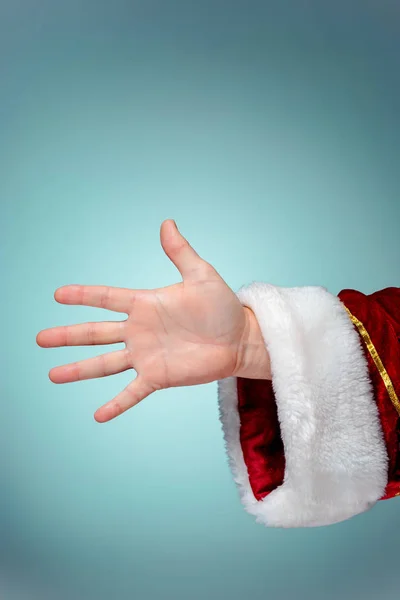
{"x":335,"y":455}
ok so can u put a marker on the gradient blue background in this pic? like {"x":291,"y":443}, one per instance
{"x":270,"y":132}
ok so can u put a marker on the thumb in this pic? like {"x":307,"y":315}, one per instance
{"x":180,"y":252}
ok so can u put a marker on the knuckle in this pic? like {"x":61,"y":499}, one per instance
{"x":118,"y":410}
{"x":203,"y":270}
{"x":77,"y":371}
{"x":103,"y":365}
{"x":105,"y":295}
{"x":81,"y":294}
{"x":132,"y":300}
{"x":207,"y":267}
{"x":128,"y":359}
{"x":91,"y":333}
{"x":179,"y":247}
{"x":132,"y":395}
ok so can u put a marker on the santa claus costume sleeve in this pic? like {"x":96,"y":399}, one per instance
{"x":320,"y":443}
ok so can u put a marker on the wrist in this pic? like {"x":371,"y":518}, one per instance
{"x":253,"y":360}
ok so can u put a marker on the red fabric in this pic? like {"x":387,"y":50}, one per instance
{"x":259,"y":426}
{"x":260,"y":435}
{"x":380,"y":315}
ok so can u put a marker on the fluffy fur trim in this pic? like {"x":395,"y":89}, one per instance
{"x":335,"y":455}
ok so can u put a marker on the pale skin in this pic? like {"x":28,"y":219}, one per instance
{"x":192,"y":332}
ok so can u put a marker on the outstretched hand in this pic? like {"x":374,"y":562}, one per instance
{"x":189,"y":333}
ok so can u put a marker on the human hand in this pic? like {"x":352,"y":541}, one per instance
{"x":188,"y":333}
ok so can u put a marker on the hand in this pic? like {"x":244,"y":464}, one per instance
{"x":189,"y":333}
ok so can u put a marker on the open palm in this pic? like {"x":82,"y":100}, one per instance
{"x":184,"y":334}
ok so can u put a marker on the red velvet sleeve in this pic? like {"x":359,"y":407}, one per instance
{"x":377,"y":320}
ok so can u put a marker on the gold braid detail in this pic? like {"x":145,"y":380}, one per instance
{"x":377,"y":360}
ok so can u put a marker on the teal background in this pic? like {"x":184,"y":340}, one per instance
{"x":270,"y":132}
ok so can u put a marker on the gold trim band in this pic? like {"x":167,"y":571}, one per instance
{"x":377,"y":360}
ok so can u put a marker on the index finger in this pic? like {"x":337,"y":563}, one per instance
{"x":99,"y":296}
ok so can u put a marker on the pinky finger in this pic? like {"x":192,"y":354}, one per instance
{"x":136,"y":391}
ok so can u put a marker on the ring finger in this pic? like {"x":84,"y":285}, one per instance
{"x":99,"y":366}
